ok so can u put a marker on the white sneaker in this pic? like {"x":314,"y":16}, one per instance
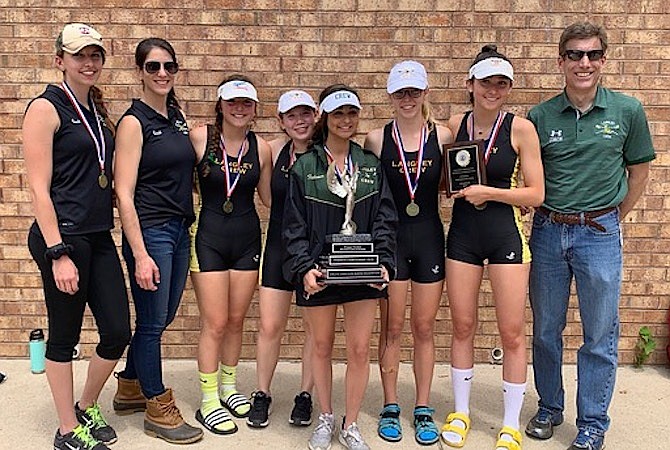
{"x":351,"y":438}
{"x":323,"y":433}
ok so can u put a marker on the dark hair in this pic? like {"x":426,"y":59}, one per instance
{"x":212,"y":133}
{"x":488,"y":51}
{"x":142,"y":51}
{"x":321,"y":127}
{"x":582,"y":30}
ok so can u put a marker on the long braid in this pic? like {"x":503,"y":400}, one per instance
{"x":96,"y":97}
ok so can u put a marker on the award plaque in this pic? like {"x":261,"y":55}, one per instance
{"x":348,"y":257}
{"x":463,"y":165}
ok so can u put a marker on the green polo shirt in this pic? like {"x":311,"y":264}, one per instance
{"x":585,"y":154}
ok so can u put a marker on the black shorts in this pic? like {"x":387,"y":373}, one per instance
{"x":494,"y":234}
{"x":420,"y":253}
{"x":272,"y":276}
{"x":337,"y":295}
{"x":221,"y":243}
{"x":101,"y":286}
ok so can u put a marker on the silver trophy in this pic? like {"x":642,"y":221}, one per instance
{"x":348,"y":258}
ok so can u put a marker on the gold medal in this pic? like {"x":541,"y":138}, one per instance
{"x":103,"y":181}
{"x":227,"y":206}
{"x":412,"y":209}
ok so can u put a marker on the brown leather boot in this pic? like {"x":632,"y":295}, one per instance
{"x":128,"y":398}
{"x":163,"y":420}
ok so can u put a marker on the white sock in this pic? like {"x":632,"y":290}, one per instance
{"x":461,"y":380}
{"x":513,"y":394}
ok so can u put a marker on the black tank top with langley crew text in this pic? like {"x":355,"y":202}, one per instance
{"x":165,"y":174}
{"x":426,"y":195}
{"x":501,"y":169}
{"x":212,"y":186}
{"x":81,"y":205}
{"x":279,"y":182}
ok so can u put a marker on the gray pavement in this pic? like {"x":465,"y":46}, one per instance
{"x":639,"y":411}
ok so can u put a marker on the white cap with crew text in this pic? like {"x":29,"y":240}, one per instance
{"x":237,"y":89}
{"x":490,"y":67}
{"x":338,"y":99}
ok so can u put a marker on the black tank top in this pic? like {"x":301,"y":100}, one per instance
{"x":81,"y":205}
{"x":279,"y":182}
{"x":501,"y":170}
{"x":426,"y":196}
{"x":165,"y":174}
{"x":212,"y":186}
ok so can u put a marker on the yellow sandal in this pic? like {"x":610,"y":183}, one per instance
{"x":449,"y":427}
{"x":509,"y":445}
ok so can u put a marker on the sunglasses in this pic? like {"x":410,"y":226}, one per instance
{"x":414,"y":93}
{"x":170,"y":67}
{"x":577,"y":55}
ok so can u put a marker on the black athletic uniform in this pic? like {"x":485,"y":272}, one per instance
{"x":273,"y":254}
{"x":312,"y":212}
{"x":84,"y":212}
{"x":420,"y":255}
{"x":226,"y":240}
{"x":496,"y":232}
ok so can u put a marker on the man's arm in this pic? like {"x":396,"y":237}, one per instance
{"x":638,"y":175}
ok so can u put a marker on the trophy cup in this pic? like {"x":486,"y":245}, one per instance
{"x":348,"y":257}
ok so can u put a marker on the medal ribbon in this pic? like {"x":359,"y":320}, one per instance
{"x":492,"y":137}
{"x":230,"y":187}
{"x":100,"y":146}
{"x":411,"y":187}
{"x":348,"y":162}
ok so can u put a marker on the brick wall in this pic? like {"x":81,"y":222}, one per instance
{"x":310,"y":44}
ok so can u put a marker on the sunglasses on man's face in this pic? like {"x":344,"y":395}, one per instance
{"x":577,"y":55}
{"x":170,"y":67}
{"x":414,"y":93}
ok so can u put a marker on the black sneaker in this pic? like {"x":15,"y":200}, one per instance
{"x":92,"y":419}
{"x":78,"y":439}
{"x":259,"y":416}
{"x":301,"y":416}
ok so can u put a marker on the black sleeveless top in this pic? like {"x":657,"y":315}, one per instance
{"x":212,"y":185}
{"x":501,"y":170}
{"x":165,"y":174}
{"x":279,"y":182}
{"x":81,"y":205}
{"x":426,"y":195}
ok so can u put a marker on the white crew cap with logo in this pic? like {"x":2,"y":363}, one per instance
{"x":407,"y":74}
{"x":76,"y":36}
{"x":237,"y":89}
{"x":338,"y":99}
{"x":490,"y":67}
{"x":291,"y":99}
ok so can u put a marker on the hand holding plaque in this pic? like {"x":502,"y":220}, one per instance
{"x":348,"y":257}
{"x":463,"y":165}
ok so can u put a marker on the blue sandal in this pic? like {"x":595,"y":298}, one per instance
{"x":389,"y":427}
{"x":426,"y":432}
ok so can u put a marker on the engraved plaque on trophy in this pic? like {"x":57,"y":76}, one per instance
{"x":463,"y":165}
{"x":348,"y":257}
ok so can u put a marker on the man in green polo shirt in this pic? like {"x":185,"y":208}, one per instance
{"x":596,"y":149}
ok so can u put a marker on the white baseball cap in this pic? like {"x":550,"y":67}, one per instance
{"x":407,"y":74}
{"x":291,"y":99}
{"x":338,"y":99}
{"x":491,"y":66}
{"x":76,"y":36}
{"x":237,"y":89}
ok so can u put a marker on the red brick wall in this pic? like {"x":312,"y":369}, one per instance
{"x":310,"y":44}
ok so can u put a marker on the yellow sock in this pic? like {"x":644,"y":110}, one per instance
{"x":228,"y":379}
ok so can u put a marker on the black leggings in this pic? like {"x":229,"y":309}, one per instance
{"x":101,"y":285}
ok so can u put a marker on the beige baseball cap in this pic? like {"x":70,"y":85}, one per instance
{"x":76,"y":36}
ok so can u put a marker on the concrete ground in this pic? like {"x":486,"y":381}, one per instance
{"x":639,"y":411}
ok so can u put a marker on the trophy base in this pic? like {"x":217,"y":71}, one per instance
{"x":350,"y":260}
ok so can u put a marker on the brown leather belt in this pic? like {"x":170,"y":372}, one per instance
{"x":585,"y":218}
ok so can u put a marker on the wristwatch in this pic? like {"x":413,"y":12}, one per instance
{"x":58,"y":250}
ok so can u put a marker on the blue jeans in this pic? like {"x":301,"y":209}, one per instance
{"x":594,"y":258}
{"x":168,"y":245}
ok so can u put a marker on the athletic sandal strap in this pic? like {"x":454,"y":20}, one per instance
{"x":217,"y":421}
{"x":510,"y":445}
{"x":449,"y":427}
{"x":389,"y":427}
{"x":238,"y":405}
{"x":426,"y":432}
